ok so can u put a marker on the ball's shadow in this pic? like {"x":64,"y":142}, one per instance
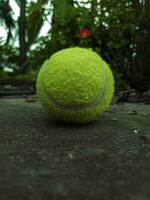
{"x":62,"y":124}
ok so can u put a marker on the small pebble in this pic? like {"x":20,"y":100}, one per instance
{"x":30,"y":99}
{"x":135,"y":131}
{"x":114,"y":119}
{"x":70,"y":155}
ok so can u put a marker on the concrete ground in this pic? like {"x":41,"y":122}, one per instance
{"x":105,"y":160}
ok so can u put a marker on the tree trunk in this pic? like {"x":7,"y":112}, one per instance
{"x":22,"y":37}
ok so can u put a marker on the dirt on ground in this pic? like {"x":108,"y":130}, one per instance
{"x":108,"y":159}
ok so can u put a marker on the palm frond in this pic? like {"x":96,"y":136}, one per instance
{"x":35,"y":20}
{"x":6,"y":18}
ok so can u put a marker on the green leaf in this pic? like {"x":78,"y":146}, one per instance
{"x":35,"y":20}
{"x":61,"y":8}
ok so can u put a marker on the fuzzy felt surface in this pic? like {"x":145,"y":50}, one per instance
{"x":75,"y":85}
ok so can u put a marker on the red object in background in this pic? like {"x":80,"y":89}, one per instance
{"x":84,"y":33}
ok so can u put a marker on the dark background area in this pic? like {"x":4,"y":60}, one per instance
{"x":118,"y":30}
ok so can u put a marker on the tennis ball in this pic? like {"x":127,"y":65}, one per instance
{"x":75,"y":85}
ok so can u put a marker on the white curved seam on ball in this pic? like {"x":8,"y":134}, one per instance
{"x":74,"y":107}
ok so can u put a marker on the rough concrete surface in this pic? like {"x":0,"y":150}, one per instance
{"x":103,"y":160}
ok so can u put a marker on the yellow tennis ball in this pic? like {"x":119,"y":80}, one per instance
{"x":75,"y":85}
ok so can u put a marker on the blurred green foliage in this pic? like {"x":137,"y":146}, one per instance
{"x":120,"y":33}
{"x":8,"y":57}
